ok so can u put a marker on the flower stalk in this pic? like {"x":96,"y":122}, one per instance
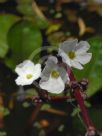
{"x":77,"y":93}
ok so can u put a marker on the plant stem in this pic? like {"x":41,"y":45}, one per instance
{"x":57,"y":98}
{"x":80,"y":100}
{"x":34,"y":114}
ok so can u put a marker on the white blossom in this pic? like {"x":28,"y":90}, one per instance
{"x":75,"y":54}
{"x":53,"y":77}
{"x":27,"y":72}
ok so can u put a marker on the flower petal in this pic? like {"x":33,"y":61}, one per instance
{"x":82,"y":47}
{"x":64,"y":56}
{"x":68,"y":45}
{"x":24,"y":81}
{"x":37,"y":71}
{"x":76,"y":64}
{"x":51,"y":63}
{"x":84,"y":58}
{"x":51,"y":59}
{"x":25,"y":67}
{"x":53,"y":85}
{"x":63,"y":74}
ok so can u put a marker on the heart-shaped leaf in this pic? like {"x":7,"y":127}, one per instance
{"x":6,"y":21}
{"x":23,"y":38}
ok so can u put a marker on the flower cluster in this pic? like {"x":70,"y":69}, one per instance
{"x":54,"y":76}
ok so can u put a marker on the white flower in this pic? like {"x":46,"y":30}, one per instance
{"x":27,"y":72}
{"x":75,"y":54}
{"x":53,"y":77}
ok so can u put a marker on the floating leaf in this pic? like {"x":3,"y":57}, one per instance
{"x":23,"y":39}
{"x":6,"y":21}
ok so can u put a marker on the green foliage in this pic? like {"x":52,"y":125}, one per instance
{"x":23,"y":38}
{"x":6,"y":21}
{"x":95,"y":114}
{"x":75,"y":112}
{"x":93,"y":70}
{"x":25,"y":7}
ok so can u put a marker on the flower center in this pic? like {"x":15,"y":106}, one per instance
{"x":29,"y":76}
{"x":55,"y":74}
{"x":71,"y":54}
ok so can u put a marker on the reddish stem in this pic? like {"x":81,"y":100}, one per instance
{"x":80,"y":100}
{"x":57,"y":98}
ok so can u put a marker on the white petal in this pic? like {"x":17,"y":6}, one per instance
{"x":82,"y":47}
{"x":53,"y":85}
{"x":84,"y":58}
{"x":24,"y":81}
{"x":76,"y":64}
{"x":68,"y":45}
{"x":36,"y":71}
{"x":64,"y":56}
{"x":26,"y":67}
{"x":53,"y":59}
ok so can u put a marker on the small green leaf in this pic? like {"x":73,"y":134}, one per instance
{"x":75,"y":111}
{"x":25,"y":104}
{"x":6,"y":21}
{"x":31,"y":92}
{"x":45,"y":107}
{"x":37,"y":125}
{"x":87,"y":104}
{"x":25,"y":7}
{"x":61,"y":128}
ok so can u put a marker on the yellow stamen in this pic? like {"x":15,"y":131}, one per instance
{"x":29,"y":76}
{"x":55,"y":74}
{"x":71,"y":54}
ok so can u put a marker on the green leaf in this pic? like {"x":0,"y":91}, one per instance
{"x":93,"y":70}
{"x":6,"y":21}
{"x":87,"y":104}
{"x":23,"y":39}
{"x":41,"y":23}
{"x":25,"y":7}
